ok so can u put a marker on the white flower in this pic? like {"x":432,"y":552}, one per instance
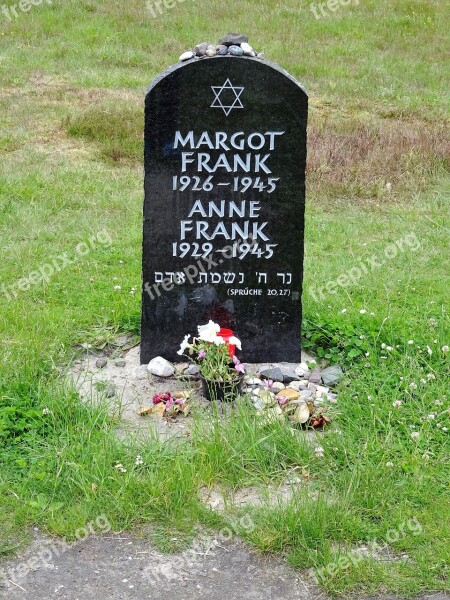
{"x":319,"y":452}
{"x":389,"y":348}
{"x":410,"y":342}
{"x":413,"y":385}
{"x":389,"y":464}
{"x":444,"y":349}
{"x":367,"y":354}
{"x":184,"y":344}
{"x":429,"y":350}
{"x":431,"y":376}
{"x":372,"y":314}
{"x":234,"y":341}
{"x":438,"y":403}
{"x":423,"y":380}
{"x":431,"y":416}
{"x":363,"y":311}
{"x":426,"y":456}
{"x":445,"y":429}
{"x":138,"y":460}
{"x":117,"y":287}
{"x":208,"y":333}
{"x":383,"y":346}
{"x":46,"y":411}
{"x":344,"y":310}
{"x":415,"y":435}
{"x":397,"y":403}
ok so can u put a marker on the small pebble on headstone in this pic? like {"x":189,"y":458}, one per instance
{"x":186,"y":56}
{"x":236,"y":51}
{"x":211,"y":51}
{"x":222,"y":50}
{"x":200,"y":49}
{"x":120,"y":362}
{"x":101,"y":363}
{"x":232,"y":39}
{"x":247,"y":49}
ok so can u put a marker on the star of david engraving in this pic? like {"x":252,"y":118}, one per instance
{"x":227,"y":97}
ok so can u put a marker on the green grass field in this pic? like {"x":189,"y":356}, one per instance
{"x":73,"y":77}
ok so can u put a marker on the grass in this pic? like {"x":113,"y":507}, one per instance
{"x":73,"y":76}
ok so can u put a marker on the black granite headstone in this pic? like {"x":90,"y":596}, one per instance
{"x":225,"y":153}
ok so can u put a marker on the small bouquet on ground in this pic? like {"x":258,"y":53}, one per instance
{"x":213,"y":355}
{"x":168,"y":405}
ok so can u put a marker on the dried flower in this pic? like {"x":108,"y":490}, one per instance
{"x":415,"y":435}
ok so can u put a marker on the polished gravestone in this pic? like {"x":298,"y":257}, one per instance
{"x":225,"y":153}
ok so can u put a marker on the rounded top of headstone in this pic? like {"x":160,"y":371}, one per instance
{"x":204,"y":52}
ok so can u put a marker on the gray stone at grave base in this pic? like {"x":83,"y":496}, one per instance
{"x":332,"y":374}
{"x":290,"y":375}
{"x":191,"y":271}
{"x":276,"y":374}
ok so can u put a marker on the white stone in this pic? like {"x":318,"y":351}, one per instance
{"x":248,"y":50}
{"x":256,"y":391}
{"x":254,"y":381}
{"x":160,"y":367}
{"x":302,"y":369}
{"x":321,"y":391}
{"x":187,"y":55}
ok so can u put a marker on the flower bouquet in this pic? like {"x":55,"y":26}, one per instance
{"x":221,"y":372}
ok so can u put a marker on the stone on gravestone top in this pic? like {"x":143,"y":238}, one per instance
{"x":225,"y":154}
